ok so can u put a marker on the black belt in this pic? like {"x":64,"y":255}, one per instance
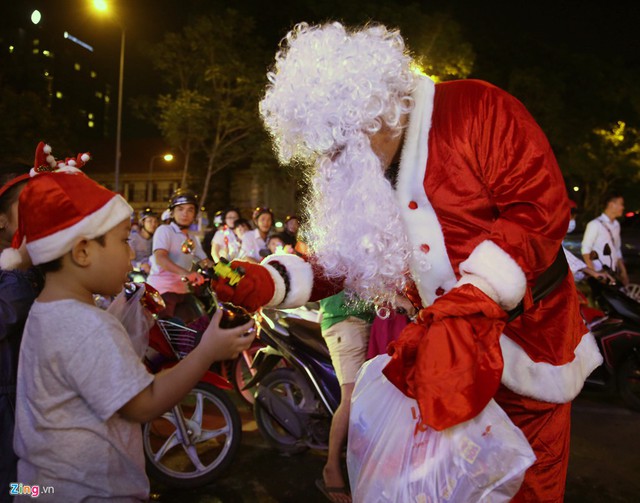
{"x":545,"y":283}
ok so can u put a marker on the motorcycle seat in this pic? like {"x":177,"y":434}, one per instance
{"x":309,"y":334}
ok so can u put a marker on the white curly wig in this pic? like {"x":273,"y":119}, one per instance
{"x":329,"y":85}
{"x":330,"y":90}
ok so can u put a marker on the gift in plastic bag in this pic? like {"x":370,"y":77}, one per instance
{"x":135,"y":318}
{"x":393,"y":456}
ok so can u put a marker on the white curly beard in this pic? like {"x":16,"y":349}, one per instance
{"x":354,"y":224}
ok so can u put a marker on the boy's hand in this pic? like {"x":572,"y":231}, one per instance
{"x":226,"y":343}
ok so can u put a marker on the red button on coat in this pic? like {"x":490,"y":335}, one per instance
{"x":439,"y":291}
{"x":413,"y":205}
{"x":425,"y":248}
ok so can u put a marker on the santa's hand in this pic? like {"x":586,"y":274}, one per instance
{"x":244,"y":284}
{"x":450,"y":360}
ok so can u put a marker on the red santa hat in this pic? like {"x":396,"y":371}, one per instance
{"x":59,"y":206}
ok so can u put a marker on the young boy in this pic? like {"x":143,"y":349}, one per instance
{"x":82,"y":391}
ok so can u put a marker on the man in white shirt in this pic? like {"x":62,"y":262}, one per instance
{"x":602,"y":236}
{"x":175,"y":250}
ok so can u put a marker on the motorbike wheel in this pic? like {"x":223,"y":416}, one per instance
{"x":628,"y":377}
{"x":241,"y":373}
{"x":290,"y":386}
{"x":214,"y":428}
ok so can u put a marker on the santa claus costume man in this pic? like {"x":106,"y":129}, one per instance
{"x":454,"y":186}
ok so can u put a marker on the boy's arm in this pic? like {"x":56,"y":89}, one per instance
{"x":168,"y":387}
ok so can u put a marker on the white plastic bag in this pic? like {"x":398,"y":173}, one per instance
{"x":136,"y":320}
{"x":393,"y":457}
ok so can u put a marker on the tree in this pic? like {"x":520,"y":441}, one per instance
{"x":607,"y":160}
{"x":215,"y":70}
{"x":436,"y":39}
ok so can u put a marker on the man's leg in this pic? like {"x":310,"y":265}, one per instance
{"x":347,"y":342}
{"x":332,"y":472}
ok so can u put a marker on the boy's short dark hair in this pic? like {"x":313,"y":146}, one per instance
{"x":56,"y":265}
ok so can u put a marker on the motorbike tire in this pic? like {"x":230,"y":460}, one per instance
{"x":289,"y":384}
{"x":241,"y":374}
{"x":628,"y":378}
{"x":215,"y":428}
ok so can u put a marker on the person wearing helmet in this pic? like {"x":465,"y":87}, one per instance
{"x":175,"y":250}
{"x":141,"y":241}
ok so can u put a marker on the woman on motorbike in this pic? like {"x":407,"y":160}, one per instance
{"x":175,"y":250}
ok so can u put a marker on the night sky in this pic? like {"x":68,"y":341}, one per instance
{"x":503,"y":34}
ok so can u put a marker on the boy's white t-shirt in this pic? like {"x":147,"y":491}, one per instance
{"x":77,"y":368}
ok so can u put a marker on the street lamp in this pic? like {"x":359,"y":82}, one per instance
{"x":167,"y":158}
{"x":102,"y":6}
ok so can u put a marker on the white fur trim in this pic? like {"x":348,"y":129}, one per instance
{"x":67,"y":168}
{"x":46,"y":149}
{"x":430,"y":270}
{"x":85,"y":157}
{"x":10,"y":259}
{"x":480,"y":283}
{"x":280,"y":289}
{"x":300,"y":280}
{"x":499,"y":270}
{"x":544,"y":381}
{"x":97,"y":224}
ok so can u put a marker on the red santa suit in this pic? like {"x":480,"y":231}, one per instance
{"x":491,"y":211}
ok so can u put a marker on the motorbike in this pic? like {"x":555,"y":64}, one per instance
{"x":190,"y":445}
{"x":617,"y":333}
{"x":294,"y":404}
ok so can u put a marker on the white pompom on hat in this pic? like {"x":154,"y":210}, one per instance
{"x":59,"y":207}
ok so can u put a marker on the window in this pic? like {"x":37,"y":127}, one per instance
{"x":58,"y":95}
{"x":93,"y":74}
{"x":76,"y":66}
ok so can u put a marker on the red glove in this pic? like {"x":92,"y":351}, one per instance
{"x":450,"y":360}
{"x":253,"y":291}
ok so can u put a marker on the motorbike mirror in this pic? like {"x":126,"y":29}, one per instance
{"x":607,"y":250}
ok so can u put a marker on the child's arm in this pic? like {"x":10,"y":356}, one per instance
{"x":169,"y":387}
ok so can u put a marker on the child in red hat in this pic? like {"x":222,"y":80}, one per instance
{"x":82,"y":390}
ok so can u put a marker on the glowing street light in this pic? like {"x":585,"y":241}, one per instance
{"x":36,"y":17}
{"x":102,"y":6}
{"x":576,"y":188}
{"x":167,"y":158}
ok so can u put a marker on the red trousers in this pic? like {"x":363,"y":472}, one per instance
{"x":547,"y":426}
